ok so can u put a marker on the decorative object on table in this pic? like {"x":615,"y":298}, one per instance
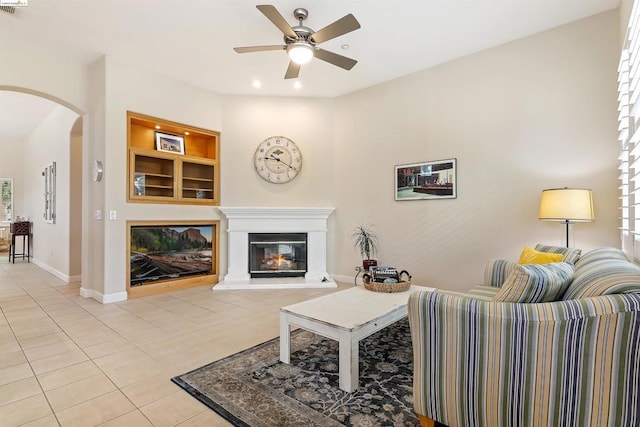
{"x":387,"y":280}
{"x":278,"y":160}
{"x":169,"y":143}
{"x":366,"y":241}
{"x":301,"y":42}
{"x":426,"y":180}
{"x":139,"y":185}
{"x":567,"y":205}
{"x":254,"y":388}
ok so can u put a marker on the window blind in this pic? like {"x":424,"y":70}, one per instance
{"x":629,"y":134}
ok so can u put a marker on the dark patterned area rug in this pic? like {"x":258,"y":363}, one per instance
{"x":253,"y":388}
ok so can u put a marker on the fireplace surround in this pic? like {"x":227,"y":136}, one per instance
{"x":243,"y":221}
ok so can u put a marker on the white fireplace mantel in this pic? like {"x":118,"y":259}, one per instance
{"x":245,"y":220}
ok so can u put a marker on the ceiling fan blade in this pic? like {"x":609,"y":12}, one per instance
{"x":292,"y":70}
{"x":248,"y":49}
{"x":344,"y":25}
{"x":274,"y":16}
{"x":335,"y":59}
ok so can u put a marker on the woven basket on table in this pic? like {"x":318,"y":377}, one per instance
{"x":388,"y":287}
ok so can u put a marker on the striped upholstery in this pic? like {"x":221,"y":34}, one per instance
{"x":570,"y":254}
{"x":601,"y":254}
{"x":497,"y":271}
{"x":603,"y":277}
{"x":486,"y":293}
{"x":564,"y":363}
{"x":532,"y":283}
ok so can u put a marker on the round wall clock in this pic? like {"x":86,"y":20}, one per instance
{"x":278,"y":159}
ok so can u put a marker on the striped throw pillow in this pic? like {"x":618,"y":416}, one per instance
{"x":604,"y":277}
{"x":570,"y":254}
{"x":497,"y":271}
{"x":534,"y":283}
{"x":601,"y":254}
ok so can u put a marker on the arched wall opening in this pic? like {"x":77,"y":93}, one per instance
{"x":56,"y":138}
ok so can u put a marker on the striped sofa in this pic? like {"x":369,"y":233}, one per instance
{"x":570,"y":362}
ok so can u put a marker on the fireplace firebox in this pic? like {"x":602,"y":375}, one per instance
{"x":277,"y":254}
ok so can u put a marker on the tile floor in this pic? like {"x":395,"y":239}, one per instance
{"x":70,"y":361}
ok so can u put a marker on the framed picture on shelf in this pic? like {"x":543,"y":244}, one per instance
{"x":426,"y":181}
{"x":170,"y":143}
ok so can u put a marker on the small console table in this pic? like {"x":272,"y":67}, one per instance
{"x":18,"y":229}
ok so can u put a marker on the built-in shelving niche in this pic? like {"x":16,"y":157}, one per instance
{"x":187,"y":176}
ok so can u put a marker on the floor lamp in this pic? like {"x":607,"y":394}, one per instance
{"x":567,"y":205}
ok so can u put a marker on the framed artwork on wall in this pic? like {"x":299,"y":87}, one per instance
{"x":170,"y":143}
{"x":49,"y":174}
{"x":426,"y":181}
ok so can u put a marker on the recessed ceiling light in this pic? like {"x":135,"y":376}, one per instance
{"x":157,"y":126}
{"x":256,"y":84}
{"x":186,"y":133}
{"x":297,"y":85}
{"x":345,"y":47}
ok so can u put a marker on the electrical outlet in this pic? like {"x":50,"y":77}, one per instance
{"x":113,"y":215}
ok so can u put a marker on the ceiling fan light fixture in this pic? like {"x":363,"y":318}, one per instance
{"x":300,"y":52}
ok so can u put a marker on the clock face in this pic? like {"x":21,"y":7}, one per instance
{"x":277,"y":159}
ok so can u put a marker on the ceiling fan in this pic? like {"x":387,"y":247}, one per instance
{"x":301,"y":42}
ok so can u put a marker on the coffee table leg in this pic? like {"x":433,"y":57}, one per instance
{"x":348,"y":367}
{"x":285,"y":338}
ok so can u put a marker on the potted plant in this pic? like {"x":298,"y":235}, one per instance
{"x":366,"y":241}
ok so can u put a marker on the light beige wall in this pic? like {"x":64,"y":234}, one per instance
{"x":146,"y":92}
{"x":50,"y":142}
{"x":250,"y":120}
{"x":625,"y":12}
{"x":93,"y":236}
{"x":247,"y":121}
{"x":532,"y":114}
{"x":57,"y":75}
{"x":75,"y":201}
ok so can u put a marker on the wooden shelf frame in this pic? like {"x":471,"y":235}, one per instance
{"x":166,"y":285}
{"x":162,"y":177}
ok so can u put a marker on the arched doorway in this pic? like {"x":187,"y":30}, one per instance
{"x":38,"y":130}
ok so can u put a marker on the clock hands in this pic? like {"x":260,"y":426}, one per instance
{"x":272,"y":157}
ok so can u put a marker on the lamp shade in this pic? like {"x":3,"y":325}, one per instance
{"x":566,"y":204}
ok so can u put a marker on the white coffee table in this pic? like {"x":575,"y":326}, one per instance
{"x":347,"y":316}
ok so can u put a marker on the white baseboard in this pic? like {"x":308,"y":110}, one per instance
{"x":274,"y":283}
{"x":108,"y":298}
{"x":58,"y":274}
{"x":75,"y":279}
{"x":103,"y":298}
{"x":343,"y":278}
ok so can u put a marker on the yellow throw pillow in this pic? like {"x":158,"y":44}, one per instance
{"x":531,"y":256}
